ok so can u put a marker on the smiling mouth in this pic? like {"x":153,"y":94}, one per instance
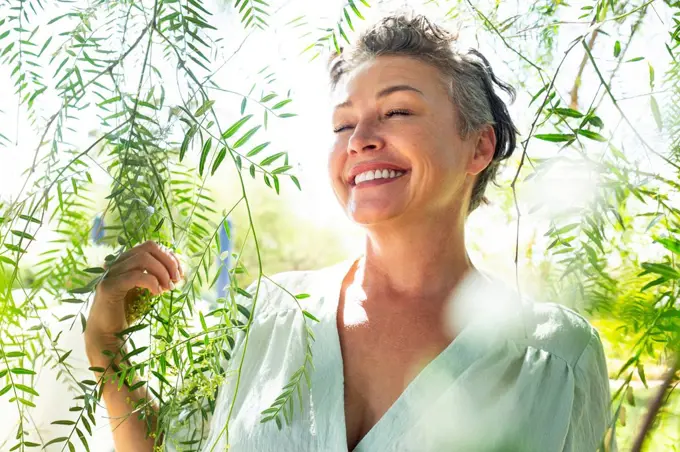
{"x":377,"y":176}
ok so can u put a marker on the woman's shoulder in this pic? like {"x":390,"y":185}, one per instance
{"x":560,"y":331}
{"x":290,"y":290}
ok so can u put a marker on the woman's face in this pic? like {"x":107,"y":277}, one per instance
{"x":397,"y":151}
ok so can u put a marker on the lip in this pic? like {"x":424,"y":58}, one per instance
{"x":371,"y":166}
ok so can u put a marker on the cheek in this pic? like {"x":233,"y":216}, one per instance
{"x":336,"y":165}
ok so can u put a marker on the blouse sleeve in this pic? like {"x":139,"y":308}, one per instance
{"x":590,"y":416}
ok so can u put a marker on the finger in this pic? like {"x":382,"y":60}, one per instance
{"x":155,"y":250}
{"x":179,"y":263}
{"x":175,"y":267}
{"x":125,"y":282}
{"x":144,"y":262}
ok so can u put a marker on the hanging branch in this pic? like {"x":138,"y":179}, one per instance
{"x":577,"y":81}
{"x":655,"y":405}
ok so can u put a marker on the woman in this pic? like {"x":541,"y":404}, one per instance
{"x":414,"y":349}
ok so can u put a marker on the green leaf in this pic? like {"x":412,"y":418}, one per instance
{"x":596,"y":121}
{"x":660,"y":269}
{"x":243,"y":293}
{"x":5,"y":390}
{"x":281,"y":104}
{"x":355,"y":9}
{"x":656,"y":113}
{"x":65,"y":356}
{"x":243,"y":104}
{"x":256,"y":150}
{"x":241,"y":141}
{"x":26,"y":402}
{"x":185,"y":143}
{"x":651,"y":76}
{"x":243,"y":310}
{"x":641,"y":373}
{"x":571,"y":113}
{"x":72,"y":300}
{"x":671,"y":244}
{"x":656,"y":282}
{"x":617,"y":49}
{"x":218,"y":160}
{"x":61,"y":439}
{"x":282,"y":169}
{"x":63,"y":423}
{"x":555,"y":137}
{"x":22,"y":234}
{"x":269,"y":160}
{"x":160,"y":377}
{"x":204,"y":108}
{"x":235,"y":127}
{"x":132,"y":329}
{"x":204,"y":155}
{"x":7,"y":260}
{"x":592,"y":135}
{"x":309,"y":315}
{"x":30,"y":219}
{"x":21,"y":371}
{"x":95,"y":270}
{"x":296,"y":182}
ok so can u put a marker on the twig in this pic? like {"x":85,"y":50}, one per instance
{"x":577,"y":81}
{"x":655,"y":405}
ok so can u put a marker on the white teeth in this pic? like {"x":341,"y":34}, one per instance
{"x":377,"y":174}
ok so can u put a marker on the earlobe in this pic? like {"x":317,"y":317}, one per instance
{"x":484,"y":150}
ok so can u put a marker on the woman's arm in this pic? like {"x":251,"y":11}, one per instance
{"x":146,"y":266}
{"x":129,"y":431}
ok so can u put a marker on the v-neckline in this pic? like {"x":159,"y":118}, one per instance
{"x":335,"y":358}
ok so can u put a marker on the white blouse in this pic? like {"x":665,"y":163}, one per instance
{"x":517,"y":377}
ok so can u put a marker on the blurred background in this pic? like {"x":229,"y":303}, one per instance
{"x":595,"y":179}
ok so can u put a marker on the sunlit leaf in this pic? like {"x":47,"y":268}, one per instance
{"x":555,"y":137}
{"x":204,"y":155}
{"x":244,"y":139}
{"x":592,"y":135}
{"x":235,"y":127}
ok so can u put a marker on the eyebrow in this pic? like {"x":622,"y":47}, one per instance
{"x":385,"y":92}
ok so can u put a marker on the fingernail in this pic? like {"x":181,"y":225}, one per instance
{"x":172,"y":285}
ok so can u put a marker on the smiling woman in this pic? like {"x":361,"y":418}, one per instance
{"x":414,"y":349}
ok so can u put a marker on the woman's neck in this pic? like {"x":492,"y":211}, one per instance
{"x":417,"y":260}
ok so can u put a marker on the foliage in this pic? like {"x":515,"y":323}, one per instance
{"x":144,"y":75}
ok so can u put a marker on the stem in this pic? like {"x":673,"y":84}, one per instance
{"x":655,"y":405}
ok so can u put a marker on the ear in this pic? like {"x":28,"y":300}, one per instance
{"x":485,"y":147}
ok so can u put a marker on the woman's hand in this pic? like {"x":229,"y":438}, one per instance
{"x":147,"y":266}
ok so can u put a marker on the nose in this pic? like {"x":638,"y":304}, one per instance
{"x":366,"y":137}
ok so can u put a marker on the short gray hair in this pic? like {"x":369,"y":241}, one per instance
{"x":467,"y":74}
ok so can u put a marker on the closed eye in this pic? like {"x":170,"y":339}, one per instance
{"x":398,"y":111}
{"x":389,"y":114}
{"x":340,"y":129}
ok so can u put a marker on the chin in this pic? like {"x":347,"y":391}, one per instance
{"x":368,"y":215}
